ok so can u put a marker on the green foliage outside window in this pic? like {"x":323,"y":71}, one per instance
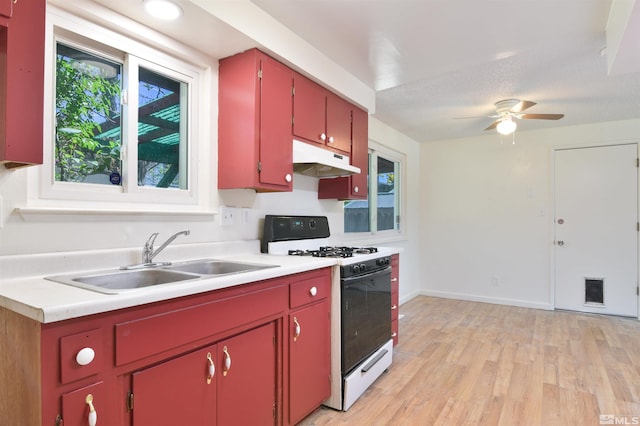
{"x":85,"y":101}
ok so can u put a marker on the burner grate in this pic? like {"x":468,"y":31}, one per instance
{"x":331,"y":251}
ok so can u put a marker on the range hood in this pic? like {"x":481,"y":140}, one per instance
{"x":314,"y":161}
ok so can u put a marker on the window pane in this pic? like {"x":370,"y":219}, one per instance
{"x":162,"y":140}
{"x":356,"y":214}
{"x":88,"y":134}
{"x":386,"y":210}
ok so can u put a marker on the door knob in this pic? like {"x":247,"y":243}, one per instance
{"x":560,"y":242}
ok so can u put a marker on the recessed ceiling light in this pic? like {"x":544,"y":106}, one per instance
{"x":163,"y":9}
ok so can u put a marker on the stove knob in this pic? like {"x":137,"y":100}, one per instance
{"x":383,"y":261}
{"x":355,"y":269}
{"x":363,"y":267}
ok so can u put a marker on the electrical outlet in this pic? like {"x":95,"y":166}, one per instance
{"x":228,"y":216}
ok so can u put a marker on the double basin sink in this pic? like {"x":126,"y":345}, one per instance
{"x":122,"y":280}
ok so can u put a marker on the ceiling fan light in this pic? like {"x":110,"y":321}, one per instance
{"x":506,"y":126}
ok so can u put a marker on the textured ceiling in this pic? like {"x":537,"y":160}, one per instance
{"x":432,"y":61}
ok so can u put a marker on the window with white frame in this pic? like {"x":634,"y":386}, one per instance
{"x":380,"y":213}
{"x":122,"y":119}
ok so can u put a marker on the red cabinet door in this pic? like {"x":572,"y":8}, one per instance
{"x":22,"y":84}
{"x":276,"y":148}
{"x":338,"y":123}
{"x":360,"y":154}
{"x":6,"y":8}
{"x":354,"y":187}
{"x":177,"y":392}
{"x":309,"y":110}
{"x":247,"y":378}
{"x":309,"y":359}
{"x":254,"y":123}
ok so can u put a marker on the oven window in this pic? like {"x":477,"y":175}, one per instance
{"x":366,"y":317}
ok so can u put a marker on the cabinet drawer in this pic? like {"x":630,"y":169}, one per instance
{"x":148,"y":336}
{"x":81,"y":355}
{"x":310,"y":290}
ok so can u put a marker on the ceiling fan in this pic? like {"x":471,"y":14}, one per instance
{"x":508,"y":109}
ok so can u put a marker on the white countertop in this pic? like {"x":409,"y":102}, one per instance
{"x":46,"y":301}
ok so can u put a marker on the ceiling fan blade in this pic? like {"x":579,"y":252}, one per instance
{"x":541,"y":116}
{"x":493,"y":125}
{"x":522,"y":105}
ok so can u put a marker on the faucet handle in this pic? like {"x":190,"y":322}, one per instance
{"x":149,"y":244}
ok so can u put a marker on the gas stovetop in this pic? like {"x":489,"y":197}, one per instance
{"x":331,"y":251}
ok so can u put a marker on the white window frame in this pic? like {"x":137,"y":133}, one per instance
{"x":45,"y":193}
{"x":374,"y":236}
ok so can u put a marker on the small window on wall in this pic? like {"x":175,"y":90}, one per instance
{"x":380,"y":213}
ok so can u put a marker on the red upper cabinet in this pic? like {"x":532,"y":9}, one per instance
{"x":21,"y":82}
{"x":6,"y":8}
{"x":320,"y":116}
{"x":352,"y":187}
{"x":254,"y":123}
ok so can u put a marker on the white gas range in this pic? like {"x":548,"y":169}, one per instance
{"x":361,"y":343}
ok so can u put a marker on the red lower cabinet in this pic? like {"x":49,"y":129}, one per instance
{"x":309,"y":346}
{"x":309,"y":350}
{"x":222,"y":357}
{"x":395,"y":296}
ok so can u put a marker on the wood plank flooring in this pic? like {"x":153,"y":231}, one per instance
{"x":468,"y":363}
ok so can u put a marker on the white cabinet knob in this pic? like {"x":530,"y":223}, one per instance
{"x":287,"y":177}
{"x":356,"y":189}
{"x":85,"y":356}
{"x":323,"y":137}
{"x":331,"y":139}
{"x":313,"y":291}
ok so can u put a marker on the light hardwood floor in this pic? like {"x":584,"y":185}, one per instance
{"x":468,"y":363}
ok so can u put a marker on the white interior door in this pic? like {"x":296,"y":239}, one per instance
{"x":596,"y":237}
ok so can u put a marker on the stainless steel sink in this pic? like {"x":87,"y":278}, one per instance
{"x":114,"y":282}
{"x":121,"y":281}
{"x":217,"y":267}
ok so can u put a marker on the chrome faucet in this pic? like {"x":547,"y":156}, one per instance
{"x":148,"y":253}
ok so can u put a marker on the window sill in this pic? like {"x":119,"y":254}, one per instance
{"x":368,"y":239}
{"x":27,"y":212}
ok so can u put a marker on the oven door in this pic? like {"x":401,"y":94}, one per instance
{"x":366,"y":316}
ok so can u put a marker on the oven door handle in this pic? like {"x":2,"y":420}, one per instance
{"x":373,"y":274}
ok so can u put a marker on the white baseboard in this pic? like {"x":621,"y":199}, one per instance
{"x":484,"y":299}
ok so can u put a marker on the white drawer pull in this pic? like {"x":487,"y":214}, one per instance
{"x":296,"y":332}
{"x":212,"y":368}
{"x":85,"y":356}
{"x":313,"y":291}
{"x":93,"y":415}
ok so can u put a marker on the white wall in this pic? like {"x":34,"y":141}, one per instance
{"x":487,"y":212}
{"x":64,"y":231}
